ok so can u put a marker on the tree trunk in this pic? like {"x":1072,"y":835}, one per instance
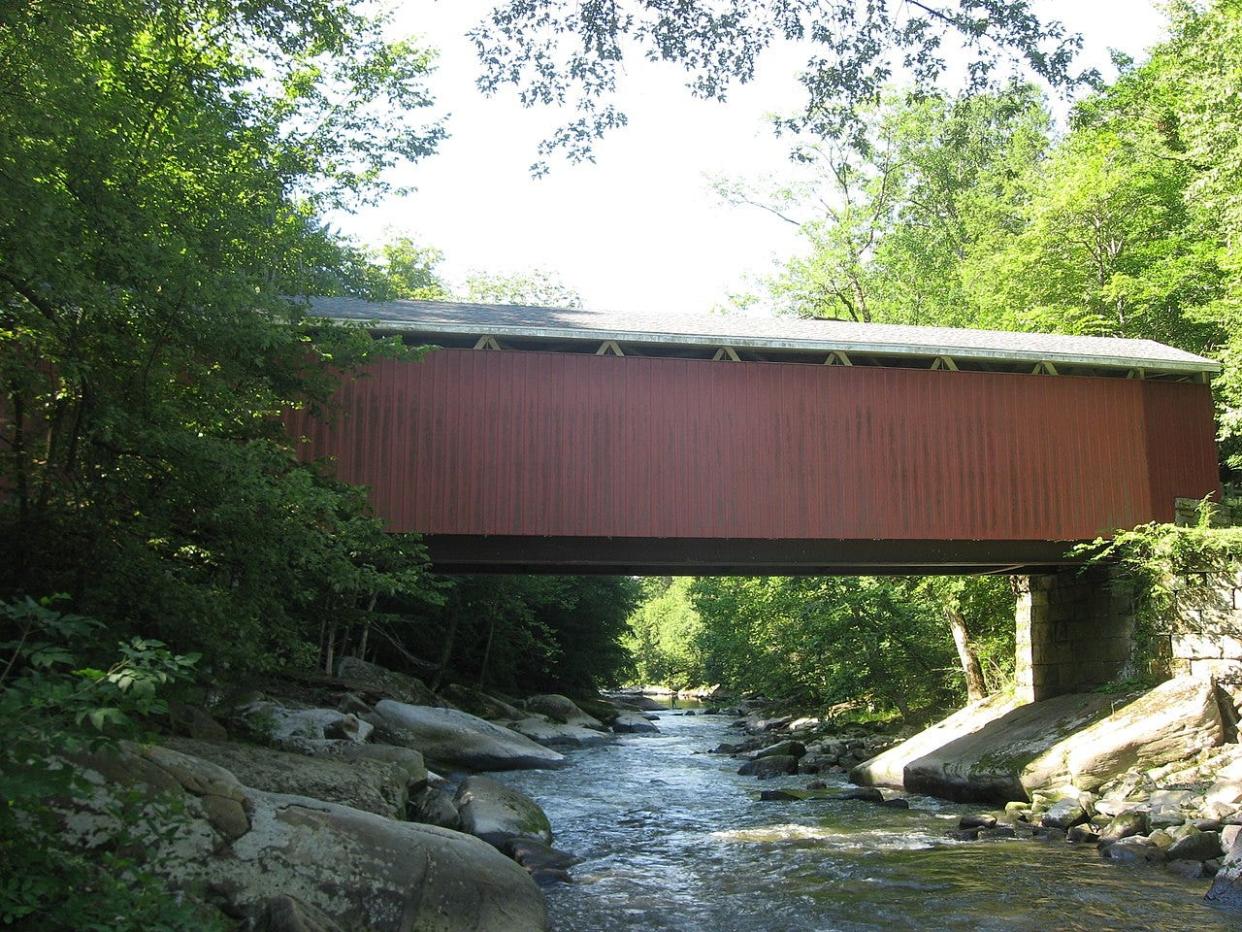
{"x":446,"y":653}
{"x":976,"y":688}
{"x":487,"y":652}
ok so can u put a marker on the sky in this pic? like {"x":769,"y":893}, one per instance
{"x":640,"y":229}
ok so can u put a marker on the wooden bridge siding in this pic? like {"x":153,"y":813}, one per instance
{"x":554,"y":444}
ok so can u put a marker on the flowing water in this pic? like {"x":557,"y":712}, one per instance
{"x":673,"y":839}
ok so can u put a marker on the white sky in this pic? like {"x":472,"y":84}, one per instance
{"x":640,"y":229}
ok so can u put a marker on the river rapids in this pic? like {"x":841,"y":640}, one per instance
{"x":673,"y":839}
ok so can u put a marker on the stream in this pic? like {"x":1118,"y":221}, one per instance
{"x":673,"y":839}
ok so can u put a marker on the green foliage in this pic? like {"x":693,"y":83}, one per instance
{"x":970,"y":211}
{"x":538,"y":288}
{"x":817,"y":641}
{"x":665,"y":633}
{"x":528,"y":633}
{"x":402,"y":270}
{"x":54,"y":704}
{"x":166,"y":168}
{"x":1182,"y":577}
{"x":553,"y":53}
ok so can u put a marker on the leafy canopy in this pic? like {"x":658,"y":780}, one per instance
{"x":571,"y":55}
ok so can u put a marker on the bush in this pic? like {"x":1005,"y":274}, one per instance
{"x":55,"y":704}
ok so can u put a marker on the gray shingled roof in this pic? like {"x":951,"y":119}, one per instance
{"x":752,"y":332}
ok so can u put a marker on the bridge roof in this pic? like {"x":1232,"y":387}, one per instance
{"x":743,"y":331}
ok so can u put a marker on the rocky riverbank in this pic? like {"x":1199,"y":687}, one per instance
{"x":349,"y":802}
{"x":1151,"y":778}
{"x":363,"y":801}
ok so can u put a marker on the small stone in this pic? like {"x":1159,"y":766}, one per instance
{"x":353,"y":705}
{"x":1200,"y":846}
{"x":1125,"y":825}
{"x":195,"y":722}
{"x":1191,"y":870}
{"x":1081,"y":834}
{"x":434,"y":806}
{"x":896,"y":803}
{"x":779,"y":796}
{"x":1134,"y":849}
{"x":817,"y":785}
{"x":867,"y":794}
{"x":1015,"y":806}
{"x":545,"y":864}
{"x":976,"y":821}
{"x":968,"y":834}
{"x":1161,"y":839}
{"x":1229,"y":836}
{"x":1064,"y":814}
{"x":774,"y":766}
{"x":783,"y":749}
{"x":227,"y":816}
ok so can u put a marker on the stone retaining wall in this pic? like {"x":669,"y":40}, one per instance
{"x":1075,"y":631}
{"x":1206,"y":639}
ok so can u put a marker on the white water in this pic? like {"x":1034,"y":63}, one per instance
{"x":673,"y":839}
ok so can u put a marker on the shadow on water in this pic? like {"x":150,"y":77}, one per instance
{"x":673,"y":839}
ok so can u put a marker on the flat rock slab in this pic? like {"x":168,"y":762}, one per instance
{"x":354,"y":869}
{"x":459,"y":739}
{"x":554,"y":734}
{"x":998,"y":750}
{"x":371,"y":785}
{"x":562,"y":709}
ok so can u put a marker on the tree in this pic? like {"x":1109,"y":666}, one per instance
{"x":527,"y":633}
{"x":893,"y":222}
{"x":664,"y":634}
{"x":165,"y":169}
{"x":555,"y":53}
{"x":538,"y":288}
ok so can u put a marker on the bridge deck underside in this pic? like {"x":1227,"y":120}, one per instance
{"x":545,"y":461}
{"x":663,"y":557}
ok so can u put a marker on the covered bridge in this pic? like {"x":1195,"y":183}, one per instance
{"x":538,"y":439}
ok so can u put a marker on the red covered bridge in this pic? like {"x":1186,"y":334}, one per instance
{"x":537,"y":439}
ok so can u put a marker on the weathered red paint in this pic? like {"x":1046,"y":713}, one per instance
{"x":566,"y":445}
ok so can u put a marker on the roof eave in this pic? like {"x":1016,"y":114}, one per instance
{"x":1189,"y":366}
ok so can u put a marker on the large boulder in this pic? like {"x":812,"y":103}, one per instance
{"x":774,"y":766}
{"x":409,"y":760}
{"x":1227,"y":885}
{"x":562,"y":709}
{"x":435,"y":806}
{"x":633,"y":723}
{"x":498,"y":813}
{"x":382,"y":682}
{"x":555,"y":734}
{"x":355,"y":869}
{"x":999,"y":749}
{"x":1173,"y":722}
{"x":479,"y":703}
{"x":371,"y":785}
{"x":459,"y":739}
{"x":286,"y":725}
